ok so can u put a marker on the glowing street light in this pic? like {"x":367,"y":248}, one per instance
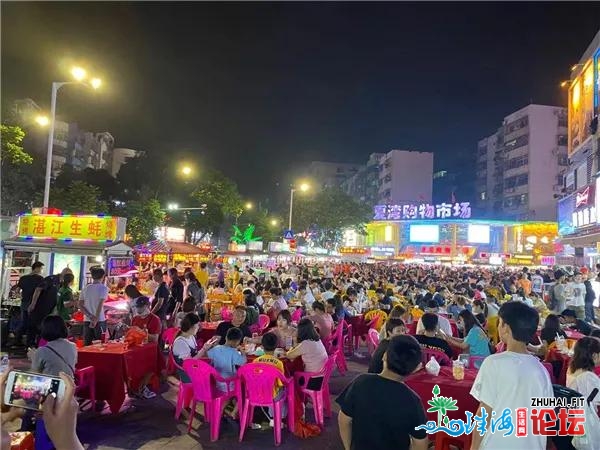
{"x":186,"y":170}
{"x":274,"y":222}
{"x":303,"y":187}
{"x":79,"y":74}
{"x":248,"y":205}
{"x":42,"y":121}
{"x":172,"y":206}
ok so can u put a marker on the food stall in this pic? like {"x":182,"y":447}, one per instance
{"x":163,"y":253}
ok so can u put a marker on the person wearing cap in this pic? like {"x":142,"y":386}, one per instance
{"x":145,"y":320}
{"x":569,"y":317}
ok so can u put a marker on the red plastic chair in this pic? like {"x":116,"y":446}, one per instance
{"x":444,"y":442}
{"x":263,"y":322}
{"x":85,"y":379}
{"x":372,"y":340}
{"x":256,"y":381}
{"x":204,"y":378}
{"x":439,"y":356}
{"x":185,"y":391}
{"x":319,"y":392}
{"x":454,"y":328}
{"x":412,"y":328}
{"x":347,"y":333}
{"x":473,"y":360}
{"x":335,"y":345}
{"x":169,"y":335}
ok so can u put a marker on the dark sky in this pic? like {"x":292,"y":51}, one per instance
{"x":256,"y":88}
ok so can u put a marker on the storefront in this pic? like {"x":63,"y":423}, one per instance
{"x":579,"y":224}
{"x":447,"y":234}
{"x":62,"y":241}
{"x":161,"y":253}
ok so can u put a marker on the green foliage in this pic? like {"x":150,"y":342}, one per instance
{"x":77,"y":198}
{"x":12,"y":149}
{"x":244,"y":237}
{"x":107,"y":185}
{"x":142,"y":219}
{"x":261,"y":219}
{"x":328,"y":213}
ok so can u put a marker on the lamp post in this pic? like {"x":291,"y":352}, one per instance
{"x":79,"y":75}
{"x":303,"y":187}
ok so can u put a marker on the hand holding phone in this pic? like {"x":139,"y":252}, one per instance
{"x":60,"y":416}
{"x":29,"y":390}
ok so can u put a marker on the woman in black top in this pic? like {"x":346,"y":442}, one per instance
{"x":550,"y":330}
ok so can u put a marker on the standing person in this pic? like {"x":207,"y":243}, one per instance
{"x":28,"y":284}
{"x":64,"y":302}
{"x":176,"y":288}
{"x":537,"y":282}
{"x":91,"y":302}
{"x":524,"y":283}
{"x":512,"y":378}
{"x":43,"y":303}
{"x":160,"y":301}
{"x":220,"y":276}
{"x":202,"y":275}
{"x":383,"y":425}
{"x":590,"y":296}
{"x":194,"y":289}
{"x":577,"y":301}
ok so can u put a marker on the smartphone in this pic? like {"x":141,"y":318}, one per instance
{"x":29,"y":390}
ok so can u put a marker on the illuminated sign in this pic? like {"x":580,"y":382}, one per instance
{"x":581,"y":108}
{"x":170,"y":234}
{"x":238,"y":248}
{"x":383,"y":249}
{"x":547,"y":260}
{"x":436,"y":250}
{"x":67,"y":227}
{"x":354,"y":250}
{"x":579,"y":210}
{"x":423,"y":211}
{"x":279,"y":247}
{"x":583,"y":197}
{"x":255,"y":246}
{"x":119,"y":266}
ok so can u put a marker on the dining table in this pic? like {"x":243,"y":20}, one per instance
{"x":119,"y":367}
{"x":207,"y":330}
{"x":423,"y":384}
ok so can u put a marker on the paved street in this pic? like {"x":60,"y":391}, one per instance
{"x":150,"y":425}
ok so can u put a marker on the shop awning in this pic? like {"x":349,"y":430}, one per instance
{"x":160,"y":246}
{"x":69,"y":247}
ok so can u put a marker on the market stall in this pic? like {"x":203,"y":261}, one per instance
{"x":163,"y":253}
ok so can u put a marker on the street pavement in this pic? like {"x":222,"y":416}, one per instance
{"x":150,"y":425}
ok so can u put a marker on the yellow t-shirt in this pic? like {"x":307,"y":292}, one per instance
{"x":202,"y":276}
{"x":271,"y":359}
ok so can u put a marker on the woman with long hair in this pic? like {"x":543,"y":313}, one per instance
{"x":286,"y":333}
{"x":581,"y":376}
{"x":476,"y":341}
{"x":309,"y":348}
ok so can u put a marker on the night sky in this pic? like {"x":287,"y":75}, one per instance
{"x":258,"y":89}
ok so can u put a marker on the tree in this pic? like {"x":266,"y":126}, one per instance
{"x":78,"y":198}
{"x":325,"y":215}
{"x":143,"y":217}
{"x":22,"y":175}
{"x":222,"y":200}
{"x":244,"y":237}
{"x":263,"y":222}
{"x":12,"y":149}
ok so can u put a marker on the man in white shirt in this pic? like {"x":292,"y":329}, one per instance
{"x":537,"y":282}
{"x":91,"y":302}
{"x":444,"y":323}
{"x":305,"y":296}
{"x":329,"y":291}
{"x":510,"y":379}
{"x":577,"y":300}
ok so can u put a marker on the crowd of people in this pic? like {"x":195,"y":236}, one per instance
{"x":304,"y":305}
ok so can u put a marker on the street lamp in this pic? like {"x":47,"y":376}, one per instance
{"x":172,"y":206}
{"x":186,"y":170}
{"x":248,"y":205}
{"x":79,"y":75}
{"x":303,"y":187}
{"x":274,"y":222}
{"x":42,"y":121}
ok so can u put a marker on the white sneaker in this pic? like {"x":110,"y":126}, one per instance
{"x":147,"y":393}
{"x":272,"y":424}
{"x":255,"y":426}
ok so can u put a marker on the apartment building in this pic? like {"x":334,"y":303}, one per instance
{"x":520,"y":169}
{"x":331,"y":174}
{"x":405,"y":176}
{"x":364,"y":184}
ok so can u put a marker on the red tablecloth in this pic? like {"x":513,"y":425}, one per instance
{"x":116,"y":367}
{"x":573,"y":334}
{"x":555,"y":356}
{"x":422,"y":383}
{"x":207,"y":330}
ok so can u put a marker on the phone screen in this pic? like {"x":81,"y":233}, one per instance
{"x":32,"y":389}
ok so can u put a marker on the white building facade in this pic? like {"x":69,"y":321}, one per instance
{"x":405,"y":176}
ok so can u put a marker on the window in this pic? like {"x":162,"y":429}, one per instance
{"x":482,"y":195}
{"x":516,"y":181}
{"x":517,"y":124}
{"x":516,"y":143}
{"x":563,"y":160}
{"x":517,"y":162}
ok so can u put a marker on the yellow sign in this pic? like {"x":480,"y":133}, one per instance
{"x":50,"y":226}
